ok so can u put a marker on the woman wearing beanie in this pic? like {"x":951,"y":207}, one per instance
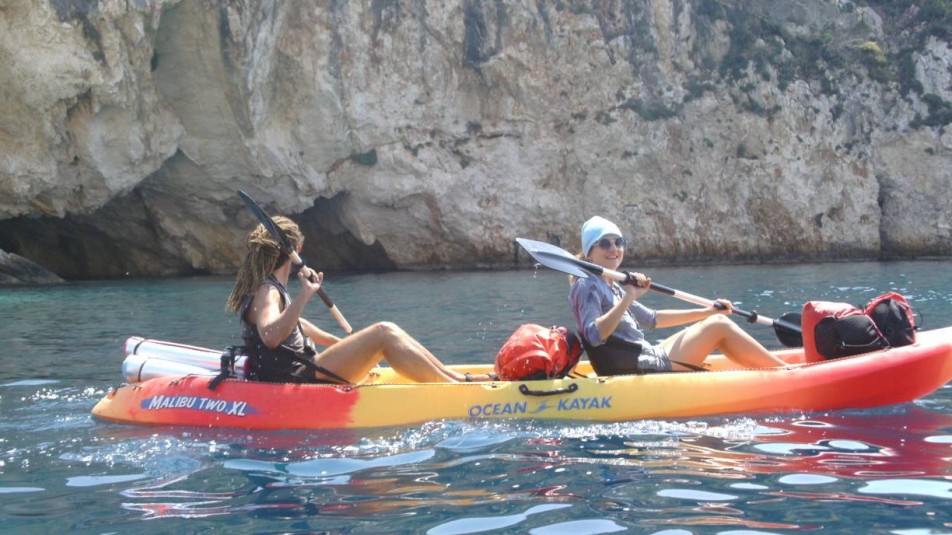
{"x":611,"y":321}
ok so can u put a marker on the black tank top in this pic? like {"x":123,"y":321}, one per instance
{"x":282,"y":364}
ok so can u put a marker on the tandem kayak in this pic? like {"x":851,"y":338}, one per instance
{"x":169,"y":384}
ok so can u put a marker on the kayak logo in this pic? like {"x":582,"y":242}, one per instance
{"x":509,"y":408}
{"x":217,"y":406}
{"x":585,"y":403}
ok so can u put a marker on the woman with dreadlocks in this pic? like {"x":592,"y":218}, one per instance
{"x":280,"y":343}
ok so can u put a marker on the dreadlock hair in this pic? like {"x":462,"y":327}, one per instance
{"x":264,"y":256}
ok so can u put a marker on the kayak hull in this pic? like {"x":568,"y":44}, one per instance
{"x":881,"y":378}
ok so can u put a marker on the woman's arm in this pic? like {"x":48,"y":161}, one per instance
{"x":318,"y":335}
{"x":275,"y":325}
{"x":673,"y":318}
{"x":608,"y":322}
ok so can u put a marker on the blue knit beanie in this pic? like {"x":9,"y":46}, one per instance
{"x":595,"y":229}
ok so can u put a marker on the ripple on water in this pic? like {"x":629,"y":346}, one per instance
{"x":913,"y":487}
{"x":481,"y":524}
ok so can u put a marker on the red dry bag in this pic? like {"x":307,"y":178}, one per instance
{"x":535,"y":352}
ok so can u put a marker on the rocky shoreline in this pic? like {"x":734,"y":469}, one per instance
{"x":16,"y":270}
{"x":410,"y":134}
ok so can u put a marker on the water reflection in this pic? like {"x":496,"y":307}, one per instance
{"x":729,"y":473}
{"x":863,"y":445}
{"x":704,"y":473}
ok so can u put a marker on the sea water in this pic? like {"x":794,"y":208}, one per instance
{"x":884,"y":470}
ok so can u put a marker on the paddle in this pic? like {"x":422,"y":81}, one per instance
{"x":787,"y":327}
{"x":295,"y":257}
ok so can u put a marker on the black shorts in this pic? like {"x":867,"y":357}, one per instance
{"x":618,"y":357}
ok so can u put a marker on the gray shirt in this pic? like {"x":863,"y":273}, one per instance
{"x":592,"y":297}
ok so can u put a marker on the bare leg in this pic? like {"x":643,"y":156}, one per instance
{"x":695,"y":343}
{"x":354,"y":356}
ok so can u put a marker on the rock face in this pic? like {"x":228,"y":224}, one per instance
{"x":413,"y":134}
{"x":15,"y":269}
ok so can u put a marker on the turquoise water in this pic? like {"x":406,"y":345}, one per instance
{"x":887,"y":470}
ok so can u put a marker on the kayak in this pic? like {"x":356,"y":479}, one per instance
{"x":169,"y":384}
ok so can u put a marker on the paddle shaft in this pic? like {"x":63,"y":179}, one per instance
{"x":309,"y":273}
{"x":752,"y":317}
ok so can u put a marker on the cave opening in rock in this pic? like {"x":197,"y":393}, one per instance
{"x":329,"y":246}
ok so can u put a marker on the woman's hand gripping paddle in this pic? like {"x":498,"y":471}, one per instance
{"x":295,"y":257}
{"x":787,"y":327}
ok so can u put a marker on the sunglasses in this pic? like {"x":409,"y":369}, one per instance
{"x":606,"y":244}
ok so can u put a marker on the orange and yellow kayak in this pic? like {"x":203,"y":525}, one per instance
{"x":884,"y":377}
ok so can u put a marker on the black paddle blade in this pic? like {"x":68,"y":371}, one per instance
{"x":265,"y":220}
{"x":554,"y":257}
{"x":788,"y":329}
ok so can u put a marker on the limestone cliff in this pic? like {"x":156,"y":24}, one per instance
{"x":414,"y":134}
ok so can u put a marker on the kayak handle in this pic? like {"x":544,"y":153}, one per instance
{"x":553,"y":392}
